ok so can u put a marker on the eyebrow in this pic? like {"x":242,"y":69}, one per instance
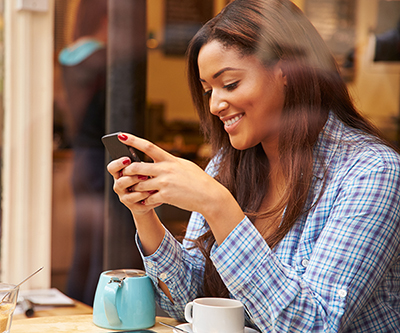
{"x":223,"y":70}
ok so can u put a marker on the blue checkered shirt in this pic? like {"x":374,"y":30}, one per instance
{"x":337,"y":270}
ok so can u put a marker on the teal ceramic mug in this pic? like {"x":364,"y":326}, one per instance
{"x":124,"y":300}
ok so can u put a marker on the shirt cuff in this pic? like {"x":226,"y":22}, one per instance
{"x":237,"y":258}
{"x":163,"y":263}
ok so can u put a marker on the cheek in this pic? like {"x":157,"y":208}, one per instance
{"x":273,"y":98}
{"x":249,"y":99}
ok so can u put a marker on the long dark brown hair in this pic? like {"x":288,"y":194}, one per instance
{"x":272,"y":30}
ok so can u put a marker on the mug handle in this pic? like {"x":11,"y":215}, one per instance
{"x":188,"y":312}
{"x":110,"y":308}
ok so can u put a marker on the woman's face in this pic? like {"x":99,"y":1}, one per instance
{"x":244,"y":94}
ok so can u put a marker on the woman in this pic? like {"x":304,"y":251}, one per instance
{"x":297,"y":214}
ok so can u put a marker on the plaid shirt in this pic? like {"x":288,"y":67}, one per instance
{"x":337,"y":270}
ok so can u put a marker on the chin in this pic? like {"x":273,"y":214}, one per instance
{"x":240,"y":145}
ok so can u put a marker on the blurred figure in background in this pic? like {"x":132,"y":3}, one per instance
{"x":84,"y":66}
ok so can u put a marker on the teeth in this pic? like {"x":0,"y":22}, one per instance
{"x":233,"y":120}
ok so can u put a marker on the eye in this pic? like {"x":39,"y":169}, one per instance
{"x":207,"y":93}
{"x":231,"y":86}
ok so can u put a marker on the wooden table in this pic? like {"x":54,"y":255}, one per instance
{"x":78,"y":309}
{"x":73,"y":324}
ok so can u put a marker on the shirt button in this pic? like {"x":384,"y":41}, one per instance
{"x":150,"y":264}
{"x":305,"y":262}
{"x":342,"y":293}
{"x":163,"y":276}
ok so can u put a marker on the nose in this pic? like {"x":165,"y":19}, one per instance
{"x":217,"y":105}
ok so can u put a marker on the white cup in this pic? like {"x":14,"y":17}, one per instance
{"x":215,"y":315}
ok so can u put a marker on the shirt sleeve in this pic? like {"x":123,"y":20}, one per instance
{"x":356,"y":246}
{"x":179,"y":269}
{"x":179,"y":266}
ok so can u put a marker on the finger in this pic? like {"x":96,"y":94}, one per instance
{"x":126,"y":184}
{"x":146,"y":189}
{"x":151,"y":202}
{"x":146,"y":185}
{"x":138,"y":201}
{"x":143,"y":171}
{"x":115,"y":167}
{"x":150,"y":149}
{"x":134,"y":201}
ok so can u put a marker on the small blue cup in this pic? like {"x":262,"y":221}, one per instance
{"x":124,"y":300}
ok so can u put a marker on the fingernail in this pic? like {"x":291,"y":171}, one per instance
{"x":152,"y":192}
{"x":142,"y":202}
{"x":141,"y":177}
{"x":126,"y":161}
{"x":122,"y":137}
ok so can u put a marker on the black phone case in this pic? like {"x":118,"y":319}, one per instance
{"x":117,"y":149}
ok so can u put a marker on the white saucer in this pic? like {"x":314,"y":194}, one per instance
{"x":188,"y":327}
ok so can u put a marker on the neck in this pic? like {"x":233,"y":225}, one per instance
{"x":271,"y":150}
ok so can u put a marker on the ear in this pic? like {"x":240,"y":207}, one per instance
{"x":281,"y":71}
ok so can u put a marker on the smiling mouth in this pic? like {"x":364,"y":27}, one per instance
{"x":231,"y":121}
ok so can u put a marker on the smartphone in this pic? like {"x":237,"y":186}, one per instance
{"x":117,"y":149}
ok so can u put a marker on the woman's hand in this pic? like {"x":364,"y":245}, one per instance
{"x":175,"y":181}
{"x":123,"y":186}
{"x":169,"y":179}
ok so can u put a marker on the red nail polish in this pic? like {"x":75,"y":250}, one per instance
{"x":126,"y":161}
{"x":152,"y":192}
{"x":141,"y":177}
{"x":122,"y":137}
